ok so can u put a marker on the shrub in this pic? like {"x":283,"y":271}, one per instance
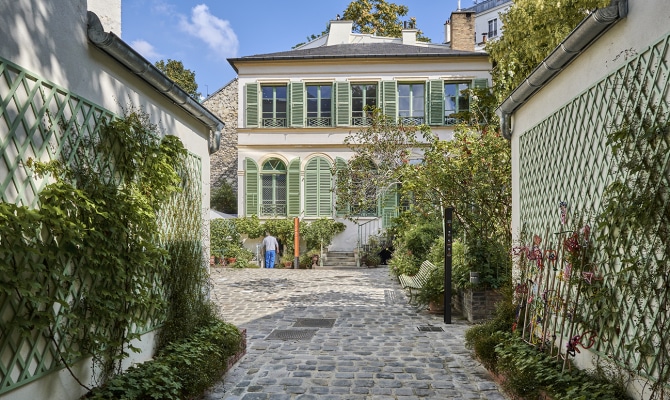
{"x":224,"y":198}
{"x":182,"y":370}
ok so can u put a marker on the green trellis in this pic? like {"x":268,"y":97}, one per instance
{"x":43,"y":121}
{"x":566,"y":158}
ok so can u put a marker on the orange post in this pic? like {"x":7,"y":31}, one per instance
{"x":296,"y":244}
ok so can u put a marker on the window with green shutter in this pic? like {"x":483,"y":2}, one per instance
{"x":251,"y":93}
{"x":273,"y":188}
{"x":297,"y":104}
{"x":363,"y":98}
{"x":389,"y":99}
{"x":251,"y":187}
{"x":389,"y":206}
{"x":319,"y":105}
{"x":318,"y":185}
{"x":342,"y":104}
{"x":456,"y":101}
{"x":411,"y":103}
{"x":436,"y":103}
{"x":274,"y":110}
{"x":293,"y":185}
{"x":342,"y":209}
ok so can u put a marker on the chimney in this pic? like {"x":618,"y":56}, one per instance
{"x":463,"y":30}
{"x":339,"y":32}
{"x":409,"y":33}
{"x":447,"y":32}
{"x":484,"y":37}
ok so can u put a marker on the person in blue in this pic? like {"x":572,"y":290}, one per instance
{"x":271,"y":247}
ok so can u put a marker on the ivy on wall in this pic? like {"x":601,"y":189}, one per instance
{"x":84,"y":265}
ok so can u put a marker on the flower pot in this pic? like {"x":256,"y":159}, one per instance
{"x":436,"y":306}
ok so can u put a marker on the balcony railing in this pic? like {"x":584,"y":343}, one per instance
{"x":361,"y":121}
{"x":318,"y":121}
{"x":411,"y":120}
{"x":274,"y":122}
{"x":273,"y":209}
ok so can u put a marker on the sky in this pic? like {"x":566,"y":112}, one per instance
{"x":203,"y":34}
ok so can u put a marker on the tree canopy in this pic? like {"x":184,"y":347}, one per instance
{"x":183,"y":77}
{"x":377,"y":17}
{"x":532,"y":29}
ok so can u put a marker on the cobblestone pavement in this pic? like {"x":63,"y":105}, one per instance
{"x":374,"y":349}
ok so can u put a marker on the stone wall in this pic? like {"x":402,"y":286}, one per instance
{"x":223,"y":163}
{"x":476,"y":305}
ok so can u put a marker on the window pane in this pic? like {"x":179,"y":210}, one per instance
{"x":312,"y":105}
{"x":326,"y":92}
{"x":356,"y":91}
{"x":281,"y":107}
{"x":371,"y":91}
{"x":325,"y":107}
{"x":267,"y":92}
{"x":312,"y":92}
{"x":281,"y":92}
{"x":417,"y":106}
{"x":357,"y":104}
{"x":403,"y":90}
{"x":418,"y":90}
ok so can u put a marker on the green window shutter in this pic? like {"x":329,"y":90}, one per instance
{"x":251,"y":187}
{"x":436,"y":102}
{"x":325,"y":189}
{"x":293,"y":188}
{"x":318,"y":185}
{"x":340,"y":165}
{"x":252,"y":105}
{"x":481,"y":83}
{"x":297,"y":103}
{"x":390,"y":102}
{"x":389,"y":207}
{"x":312,"y":188}
{"x":342,"y":106}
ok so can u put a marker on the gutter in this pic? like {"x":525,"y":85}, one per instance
{"x":122,"y":52}
{"x":591,"y":27}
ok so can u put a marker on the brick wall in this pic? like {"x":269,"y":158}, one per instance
{"x":477,"y":305}
{"x":463,"y":31}
{"x":223,"y":163}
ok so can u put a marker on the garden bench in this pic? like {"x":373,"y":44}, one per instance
{"x":415,"y":282}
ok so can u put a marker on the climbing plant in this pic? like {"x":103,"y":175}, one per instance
{"x":84,"y":265}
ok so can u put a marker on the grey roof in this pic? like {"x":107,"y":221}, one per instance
{"x":361,"y":50}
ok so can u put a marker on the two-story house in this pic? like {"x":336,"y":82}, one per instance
{"x":296,"y":108}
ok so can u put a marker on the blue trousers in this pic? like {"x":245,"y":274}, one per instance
{"x":270,"y":259}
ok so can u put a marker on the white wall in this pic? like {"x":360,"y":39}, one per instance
{"x":49,"y":39}
{"x":109,"y":12}
{"x":623,"y":41}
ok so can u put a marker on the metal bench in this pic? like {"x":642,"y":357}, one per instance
{"x":413,"y":283}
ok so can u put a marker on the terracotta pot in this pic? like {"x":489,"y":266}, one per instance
{"x":436,"y":306}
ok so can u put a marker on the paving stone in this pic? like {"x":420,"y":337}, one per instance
{"x":373,"y":351}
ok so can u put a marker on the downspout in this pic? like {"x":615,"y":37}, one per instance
{"x":126,"y":55}
{"x":594,"y":25}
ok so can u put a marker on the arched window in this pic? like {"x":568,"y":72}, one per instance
{"x":273,"y":189}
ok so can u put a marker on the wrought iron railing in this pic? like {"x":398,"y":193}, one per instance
{"x":274,"y":122}
{"x":319,"y":121}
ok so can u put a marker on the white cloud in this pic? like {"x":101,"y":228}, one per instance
{"x":146,"y":49}
{"x":214,"y":31}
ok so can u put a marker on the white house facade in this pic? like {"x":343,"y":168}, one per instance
{"x":297,"y":107}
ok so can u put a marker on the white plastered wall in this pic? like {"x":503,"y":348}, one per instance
{"x":624,"y":40}
{"x":49,"y":39}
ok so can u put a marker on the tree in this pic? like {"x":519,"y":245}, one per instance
{"x":224,"y":199}
{"x":533,"y":28}
{"x":375,"y":17}
{"x":379,"y":17}
{"x":185,"y":78}
{"x":380,"y":149}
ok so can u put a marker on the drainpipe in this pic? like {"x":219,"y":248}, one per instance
{"x":591,"y":27}
{"x":126,"y":55}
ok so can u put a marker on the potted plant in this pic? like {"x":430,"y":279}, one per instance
{"x":287,"y":259}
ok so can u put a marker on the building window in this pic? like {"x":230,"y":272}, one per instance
{"x":274,"y":106}
{"x":362,"y":96}
{"x":493,"y":28}
{"x":411,"y":101}
{"x":319,"y":105}
{"x":456,"y":101}
{"x":273,"y":190}
{"x":318,"y":188}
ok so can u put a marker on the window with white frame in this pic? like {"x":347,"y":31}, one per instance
{"x":319,"y":105}
{"x":362,"y":96}
{"x":493,"y":28}
{"x":411,"y":103}
{"x":273,"y":188}
{"x":274,"y":106}
{"x":456,"y":101}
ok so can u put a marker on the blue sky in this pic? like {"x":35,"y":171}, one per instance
{"x":203,"y":34}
